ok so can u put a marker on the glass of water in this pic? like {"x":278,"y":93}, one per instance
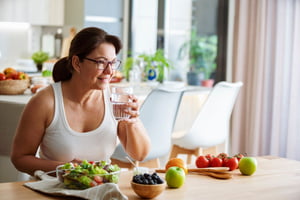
{"x":119,"y":98}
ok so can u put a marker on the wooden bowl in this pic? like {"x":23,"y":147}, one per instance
{"x":148,"y":191}
{"x":13,"y":87}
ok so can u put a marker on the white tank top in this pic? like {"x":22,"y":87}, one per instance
{"x":61,"y":143}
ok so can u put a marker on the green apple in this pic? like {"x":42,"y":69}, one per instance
{"x":247,"y":165}
{"x":175,"y":177}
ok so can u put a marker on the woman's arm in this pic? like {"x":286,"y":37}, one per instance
{"x":36,"y":116}
{"x":133,"y":134}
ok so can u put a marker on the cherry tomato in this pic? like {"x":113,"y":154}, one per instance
{"x":216,"y":162}
{"x":209,"y":156}
{"x":239,"y":156}
{"x":93,"y":183}
{"x":231,"y":162}
{"x":98,"y":179}
{"x":202,"y":162}
{"x":222,"y":155}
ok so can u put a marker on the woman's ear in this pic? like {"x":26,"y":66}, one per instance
{"x":76,"y":63}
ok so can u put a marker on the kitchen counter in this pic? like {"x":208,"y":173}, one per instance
{"x":18,"y":99}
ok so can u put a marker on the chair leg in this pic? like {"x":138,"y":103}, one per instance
{"x":174,"y":151}
{"x":189,"y":159}
{"x":210,"y":150}
{"x":189,"y":152}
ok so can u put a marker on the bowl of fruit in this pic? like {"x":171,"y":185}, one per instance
{"x":148,"y":185}
{"x":87,"y":174}
{"x":13,"y":82}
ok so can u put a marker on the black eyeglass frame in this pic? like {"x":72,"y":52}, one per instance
{"x":114,"y":64}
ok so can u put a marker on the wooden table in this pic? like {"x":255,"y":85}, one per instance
{"x":275,"y":178}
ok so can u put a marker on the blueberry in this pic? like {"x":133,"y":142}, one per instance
{"x":159,"y":180}
{"x":147,"y":178}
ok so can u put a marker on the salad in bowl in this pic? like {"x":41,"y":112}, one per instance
{"x":87,"y":174}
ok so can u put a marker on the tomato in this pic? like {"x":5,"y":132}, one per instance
{"x":202,"y":162}
{"x":209,"y":156}
{"x":2,"y":76}
{"x":93,"y":183}
{"x":222,"y":155}
{"x":216,"y":162}
{"x":231,"y":162}
{"x":98,"y":179}
{"x":239,"y":156}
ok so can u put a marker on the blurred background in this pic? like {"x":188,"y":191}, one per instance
{"x":145,"y":26}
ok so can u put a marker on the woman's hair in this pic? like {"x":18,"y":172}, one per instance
{"x":83,"y":44}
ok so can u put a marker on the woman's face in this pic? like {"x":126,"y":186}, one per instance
{"x":96,"y":71}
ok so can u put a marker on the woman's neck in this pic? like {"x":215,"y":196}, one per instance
{"x":73,"y":91}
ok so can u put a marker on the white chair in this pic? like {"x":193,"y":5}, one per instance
{"x":212,"y":124}
{"x":8,"y":125}
{"x":158,"y":114}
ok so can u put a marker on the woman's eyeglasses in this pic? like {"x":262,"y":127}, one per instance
{"x":102,"y":64}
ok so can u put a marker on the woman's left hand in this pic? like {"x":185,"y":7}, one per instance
{"x":133,"y":110}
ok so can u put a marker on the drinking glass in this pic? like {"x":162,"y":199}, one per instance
{"x":119,"y":98}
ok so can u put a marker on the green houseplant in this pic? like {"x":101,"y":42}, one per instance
{"x":152,"y":63}
{"x":39,"y":58}
{"x":202,"y":52}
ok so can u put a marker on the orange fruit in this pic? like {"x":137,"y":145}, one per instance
{"x":177,"y":162}
{"x":9,"y":71}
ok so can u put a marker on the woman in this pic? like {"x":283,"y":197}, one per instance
{"x":72,"y":120}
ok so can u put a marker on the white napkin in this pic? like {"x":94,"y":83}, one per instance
{"x":50,"y":185}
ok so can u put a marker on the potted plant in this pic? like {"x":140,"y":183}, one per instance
{"x":202,"y":52}
{"x":153,"y":66}
{"x":39,"y":58}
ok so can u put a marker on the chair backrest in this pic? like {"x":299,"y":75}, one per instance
{"x":211,"y":126}
{"x":8,"y":125}
{"x":158,"y":114}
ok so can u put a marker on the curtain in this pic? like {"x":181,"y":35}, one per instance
{"x":266,"y":58}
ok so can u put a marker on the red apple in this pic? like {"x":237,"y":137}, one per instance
{"x":2,"y":77}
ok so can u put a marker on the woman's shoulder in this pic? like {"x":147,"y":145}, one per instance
{"x":45,"y":97}
{"x":40,"y":106}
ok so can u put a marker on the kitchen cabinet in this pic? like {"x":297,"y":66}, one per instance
{"x":35,"y":12}
{"x":46,"y":12}
{"x":13,"y":11}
